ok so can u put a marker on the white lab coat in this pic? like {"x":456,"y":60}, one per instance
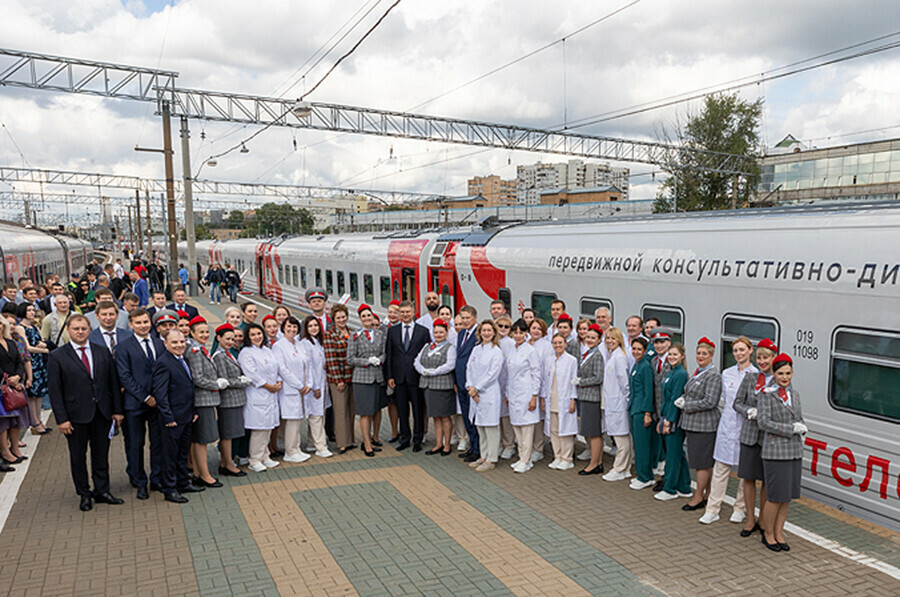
{"x":261,"y":410}
{"x":314,"y":354}
{"x":523,"y":380}
{"x":544,"y":350}
{"x":566,"y":368}
{"x":483,"y":374}
{"x":507,"y":345}
{"x":292,"y":369}
{"x":728,"y":435}
{"x":616,"y":394}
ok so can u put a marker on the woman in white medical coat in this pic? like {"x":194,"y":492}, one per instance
{"x":523,"y":385}
{"x":558,"y":395}
{"x":292,"y":368}
{"x":616,"y":393}
{"x":483,"y":379}
{"x":261,"y":411}
{"x":316,"y":399}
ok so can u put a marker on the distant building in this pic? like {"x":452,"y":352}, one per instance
{"x":226,"y":233}
{"x":470,"y":201}
{"x":532,"y":180}
{"x":494,"y":189}
{"x":565,"y":196}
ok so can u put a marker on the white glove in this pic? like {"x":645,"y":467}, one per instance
{"x":429,"y":372}
{"x":800,"y":429}
{"x":244,"y":379}
{"x":679,"y":402}
{"x":375,"y":361}
{"x":751,"y":414}
{"x":223,"y":383}
{"x":576,"y":381}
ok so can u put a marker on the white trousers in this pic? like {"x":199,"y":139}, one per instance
{"x":259,"y":445}
{"x":489,"y":443}
{"x":622,"y":463}
{"x":525,"y":437}
{"x":717,"y":487}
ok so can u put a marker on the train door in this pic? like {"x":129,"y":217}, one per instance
{"x":260,"y":276}
{"x":5,"y":278}
{"x":408,"y":285}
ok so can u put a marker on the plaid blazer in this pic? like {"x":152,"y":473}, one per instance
{"x":747,"y":397}
{"x":590,"y":374}
{"x":701,"y":402}
{"x":337,"y":369}
{"x":359,"y":349}
{"x":433,"y":361}
{"x":205,"y":375}
{"x":776,"y":420}
{"x":228,"y":367}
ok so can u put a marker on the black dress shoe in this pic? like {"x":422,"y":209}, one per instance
{"x":276,"y":454}
{"x":471,"y":458}
{"x":772,"y":546}
{"x":447,"y":453}
{"x":660,"y":485}
{"x":8,"y":461}
{"x":748,"y":532}
{"x":191,"y":489}
{"x":202,"y":483}
{"x":143,"y":493}
{"x":594,"y":471}
{"x":176,"y":498}
{"x":690,"y":508}
{"x":155,"y":487}
{"x":108,"y":498}
{"x":417,"y":447}
{"x":375,"y":448}
{"x":377,"y":444}
{"x":5,"y":467}
{"x":784,"y":547}
{"x":466,"y":454}
{"x":86,"y":503}
{"x":402,"y":446}
{"x":224,"y":472}
{"x":332,"y":438}
{"x":369,"y":453}
{"x":437,"y":450}
{"x":394,"y":439}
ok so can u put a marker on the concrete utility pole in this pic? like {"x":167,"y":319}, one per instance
{"x":140,"y":231}
{"x":130,"y":230}
{"x":149,"y":245}
{"x":170,"y":195}
{"x":189,"y":206}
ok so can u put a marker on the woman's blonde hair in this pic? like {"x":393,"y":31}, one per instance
{"x":617,"y":335}
{"x":496,"y":339}
{"x":745,"y":341}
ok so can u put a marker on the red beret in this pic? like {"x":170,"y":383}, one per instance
{"x":596,"y":328}
{"x":707,"y":341}
{"x":196,"y":320}
{"x":363,"y":307}
{"x":225,"y":327}
{"x":183,"y":314}
{"x":394,"y":302}
{"x":782,"y":358}
{"x":564,"y":317}
{"x":766,"y":343}
{"x":268,"y":317}
{"x":440,"y":322}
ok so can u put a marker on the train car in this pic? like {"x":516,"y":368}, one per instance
{"x":31,"y":253}
{"x":821,"y":281}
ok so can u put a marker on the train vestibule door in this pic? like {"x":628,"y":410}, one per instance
{"x":408,"y":286}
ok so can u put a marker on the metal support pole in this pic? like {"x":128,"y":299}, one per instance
{"x":130,"y":231}
{"x":189,"y":207}
{"x":170,"y":195}
{"x":149,"y":245}
{"x":140,"y":231}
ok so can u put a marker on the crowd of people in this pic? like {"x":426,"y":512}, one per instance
{"x":497,"y":388}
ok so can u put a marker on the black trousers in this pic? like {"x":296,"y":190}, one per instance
{"x":175,"y":472}
{"x":96,"y":435}
{"x":137,"y":424}
{"x":409,"y":395}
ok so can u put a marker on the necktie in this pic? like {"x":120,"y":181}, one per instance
{"x":462,"y":338}
{"x":148,"y":350}
{"x":782,"y":393}
{"x":760,"y":381}
{"x":186,"y":368}
{"x":405,"y":337}
{"x":85,"y":360}
{"x":112,"y":340}
{"x":659,"y":365}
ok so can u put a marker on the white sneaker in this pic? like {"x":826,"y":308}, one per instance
{"x":269,"y":463}
{"x":522,"y":467}
{"x":463,"y":446}
{"x":684,"y":495}
{"x":242,"y":461}
{"x":308,"y":449}
{"x":324,"y":453}
{"x":638,"y":485}
{"x":564,"y":466}
{"x":665,"y":497}
{"x":298,"y":457}
{"x":257,"y":467}
{"x":212,"y":302}
{"x":660,"y":469}
{"x":536,"y":456}
{"x":585,"y":455}
{"x":737,"y":517}
{"x":508,"y":453}
{"x":709,"y":518}
{"x":553,"y":464}
{"x":614,"y":476}
{"x":611,"y":450}
{"x":454,"y":441}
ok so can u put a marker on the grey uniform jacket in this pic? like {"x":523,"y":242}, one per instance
{"x":776,"y":420}
{"x":701,"y":402}
{"x":227,"y":366}
{"x":590,"y":375}
{"x":747,"y":397}
{"x":573,"y":347}
{"x":205,"y":375}
{"x":433,"y":361}
{"x":658,"y":378}
{"x":359,"y":349}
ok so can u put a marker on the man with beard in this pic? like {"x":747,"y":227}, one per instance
{"x":432,"y":302}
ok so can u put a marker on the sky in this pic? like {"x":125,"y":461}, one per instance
{"x":647,"y":51}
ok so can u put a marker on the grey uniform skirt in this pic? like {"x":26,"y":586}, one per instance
{"x":700,"y":447}
{"x":782,"y":478}
{"x":750,"y":465}
{"x":231,"y":422}
{"x":591,"y":424}
{"x":205,"y":430}
{"x":368,"y":398}
{"x":440,"y":403}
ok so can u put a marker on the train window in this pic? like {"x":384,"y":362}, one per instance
{"x":385,"y":291}
{"x":303,"y":276}
{"x":754,"y":328}
{"x":540,"y":302}
{"x":318,"y":278}
{"x":280,"y":273}
{"x":294,"y":276}
{"x":865,"y":371}
{"x":340,"y":284}
{"x":354,"y":287}
{"x":368,"y":289}
{"x":589,"y":306}
{"x":329,"y":282}
{"x":670,"y":317}
{"x":505,"y":295}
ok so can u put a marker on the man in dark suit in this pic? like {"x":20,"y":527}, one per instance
{"x":180,"y":303}
{"x":158,"y":302}
{"x":108,"y":334}
{"x":173,"y":388}
{"x":85,"y":396}
{"x":404,"y":341}
{"x":134,"y":360}
{"x":465,"y":342}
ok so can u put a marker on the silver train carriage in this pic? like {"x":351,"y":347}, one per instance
{"x":34,"y":253}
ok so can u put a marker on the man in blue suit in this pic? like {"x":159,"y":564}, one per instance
{"x":180,"y":303}
{"x":465,"y":342}
{"x":108,"y":334}
{"x":134,"y":360}
{"x":139,"y":288}
{"x":173,"y":388}
{"x":404,"y":341}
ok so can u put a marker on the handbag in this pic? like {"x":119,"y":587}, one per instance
{"x":12,"y":399}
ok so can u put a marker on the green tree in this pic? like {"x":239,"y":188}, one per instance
{"x":201,"y":232}
{"x":235,"y":219}
{"x":725,"y":124}
{"x":273,"y":219}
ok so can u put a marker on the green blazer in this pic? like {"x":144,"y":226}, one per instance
{"x":641,"y":386}
{"x":673,"y":387}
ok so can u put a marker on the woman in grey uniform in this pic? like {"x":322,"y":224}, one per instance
{"x":436,"y":363}
{"x":365,"y":353}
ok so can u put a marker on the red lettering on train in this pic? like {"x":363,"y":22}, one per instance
{"x":816,"y":445}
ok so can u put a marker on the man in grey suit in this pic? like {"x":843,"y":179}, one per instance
{"x":108,"y":334}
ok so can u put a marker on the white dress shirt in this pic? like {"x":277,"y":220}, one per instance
{"x":90,"y":356}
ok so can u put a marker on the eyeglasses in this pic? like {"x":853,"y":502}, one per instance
{"x":504,"y":327}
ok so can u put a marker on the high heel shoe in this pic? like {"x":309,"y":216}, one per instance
{"x":772,"y":546}
{"x":369,"y":453}
{"x":8,"y":461}
{"x":748,"y":532}
{"x":595,"y":471}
